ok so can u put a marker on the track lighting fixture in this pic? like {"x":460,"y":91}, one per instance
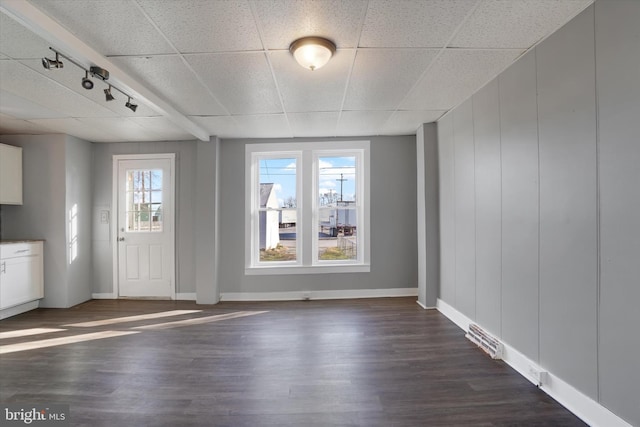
{"x":131,"y":106}
{"x":87,"y":83}
{"x":52,"y":63}
{"x":107,"y":94}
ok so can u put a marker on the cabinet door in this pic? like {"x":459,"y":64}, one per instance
{"x":10,"y":175}
{"x":20,"y":280}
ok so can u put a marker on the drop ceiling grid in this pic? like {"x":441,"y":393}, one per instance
{"x":455,"y":75}
{"x":515,"y":23}
{"x":427,"y":24}
{"x":381,"y":77}
{"x":170,"y":77}
{"x":241,"y":81}
{"x":319,"y":90}
{"x":205,"y":26}
{"x":114,"y":27}
{"x":283,"y":22}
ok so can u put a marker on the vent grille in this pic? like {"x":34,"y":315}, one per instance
{"x":486,"y":342}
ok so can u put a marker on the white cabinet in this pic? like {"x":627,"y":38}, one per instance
{"x":21,"y":273}
{"x":10,"y":175}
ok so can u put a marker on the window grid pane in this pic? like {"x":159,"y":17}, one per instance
{"x":144,"y":200}
{"x":277,"y":209}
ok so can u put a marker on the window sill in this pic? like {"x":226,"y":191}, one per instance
{"x":320,"y":269}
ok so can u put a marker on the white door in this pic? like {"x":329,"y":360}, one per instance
{"x":145,"y":225}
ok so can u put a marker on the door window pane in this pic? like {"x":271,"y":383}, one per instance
{"x":144,"y":200}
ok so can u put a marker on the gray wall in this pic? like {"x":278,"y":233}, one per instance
{"x":102,"y":165}
{"x":393,"y":219}
{"x":78,"y":193}
{"x":427,"y":230}
{"x":56,"y":176}
{"x":540,"y":200}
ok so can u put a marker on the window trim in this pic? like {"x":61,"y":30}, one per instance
{"x":307,"y":177}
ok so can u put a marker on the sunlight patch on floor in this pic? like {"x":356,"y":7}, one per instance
{"x":28,"y":332}
{"x":132,"y":318}
{"x":12,"y":348}
{"x":199,"y":320}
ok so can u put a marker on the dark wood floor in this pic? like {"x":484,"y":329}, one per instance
{"x":369,"y":362}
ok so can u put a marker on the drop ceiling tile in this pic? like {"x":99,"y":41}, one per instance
{"x":220,"y":126}
{"x":26,"y":83}
{"x":263,"y":126}
{"x":242,"y":82}
{"x":362,"y":123}
{"x":18,"y":42}
{"x":75,"y":128}
{"x":172,"y":80}
{"x":284,"y":21}
{"x":253,"y":126}
{"x":123,"y":129}
{"x":407,"y":122}
{"x":11,"y":125}
{"x":515,"y":23}
{"x":455,"y":76}
{"x":304,"y":90}
{"x":205,"y":26}
{"x":411,"y":23}
{"x":114,"y":27}
{"x":321,"y":124}
{"x":162,"y":126}
{"x":20,"y":108}
{"x":382,"y":77}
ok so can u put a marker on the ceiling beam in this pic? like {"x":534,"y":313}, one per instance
{"x":70,"y":45}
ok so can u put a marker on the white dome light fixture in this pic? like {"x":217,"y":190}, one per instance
{"x":312,"y":52}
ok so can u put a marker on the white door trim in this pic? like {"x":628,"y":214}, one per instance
{"x":114,"y":215}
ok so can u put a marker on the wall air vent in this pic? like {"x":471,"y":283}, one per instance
{"x":486,"y":342}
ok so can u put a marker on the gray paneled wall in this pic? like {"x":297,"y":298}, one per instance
{"x":540,"y":176}
{"x":618,"y":90}
{"x":568,"y":205}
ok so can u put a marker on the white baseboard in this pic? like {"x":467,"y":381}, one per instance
{"x":19,"y":309}
{"x":187,"y":296}
{"x":424,"y":306}
{"x":584,"y":407}
{"x":304,"y":295}
{"x":110,"y":295}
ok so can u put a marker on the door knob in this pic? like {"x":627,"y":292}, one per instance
{"x":121,"y":239}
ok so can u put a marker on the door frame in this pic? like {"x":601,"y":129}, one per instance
{"x":115,"y":216}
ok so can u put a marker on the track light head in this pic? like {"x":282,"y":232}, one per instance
{"x":98,"y":72}
{"x":131,"y":106}
{"x":107,"y":94}
{"x":52,"y":63}
{"x":86,"y":81}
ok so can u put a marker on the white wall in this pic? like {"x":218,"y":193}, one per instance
{"x":540,"y":205}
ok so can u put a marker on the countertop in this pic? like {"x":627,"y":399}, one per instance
{"x":10,"y":241}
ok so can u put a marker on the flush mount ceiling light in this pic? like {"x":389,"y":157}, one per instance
{"x":312,"y":52}
{"x":107,"y":94}
{"x":52,"y":63}
{"x":86,"y":81}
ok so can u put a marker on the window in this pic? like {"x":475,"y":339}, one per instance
{"x":307,"y":207}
